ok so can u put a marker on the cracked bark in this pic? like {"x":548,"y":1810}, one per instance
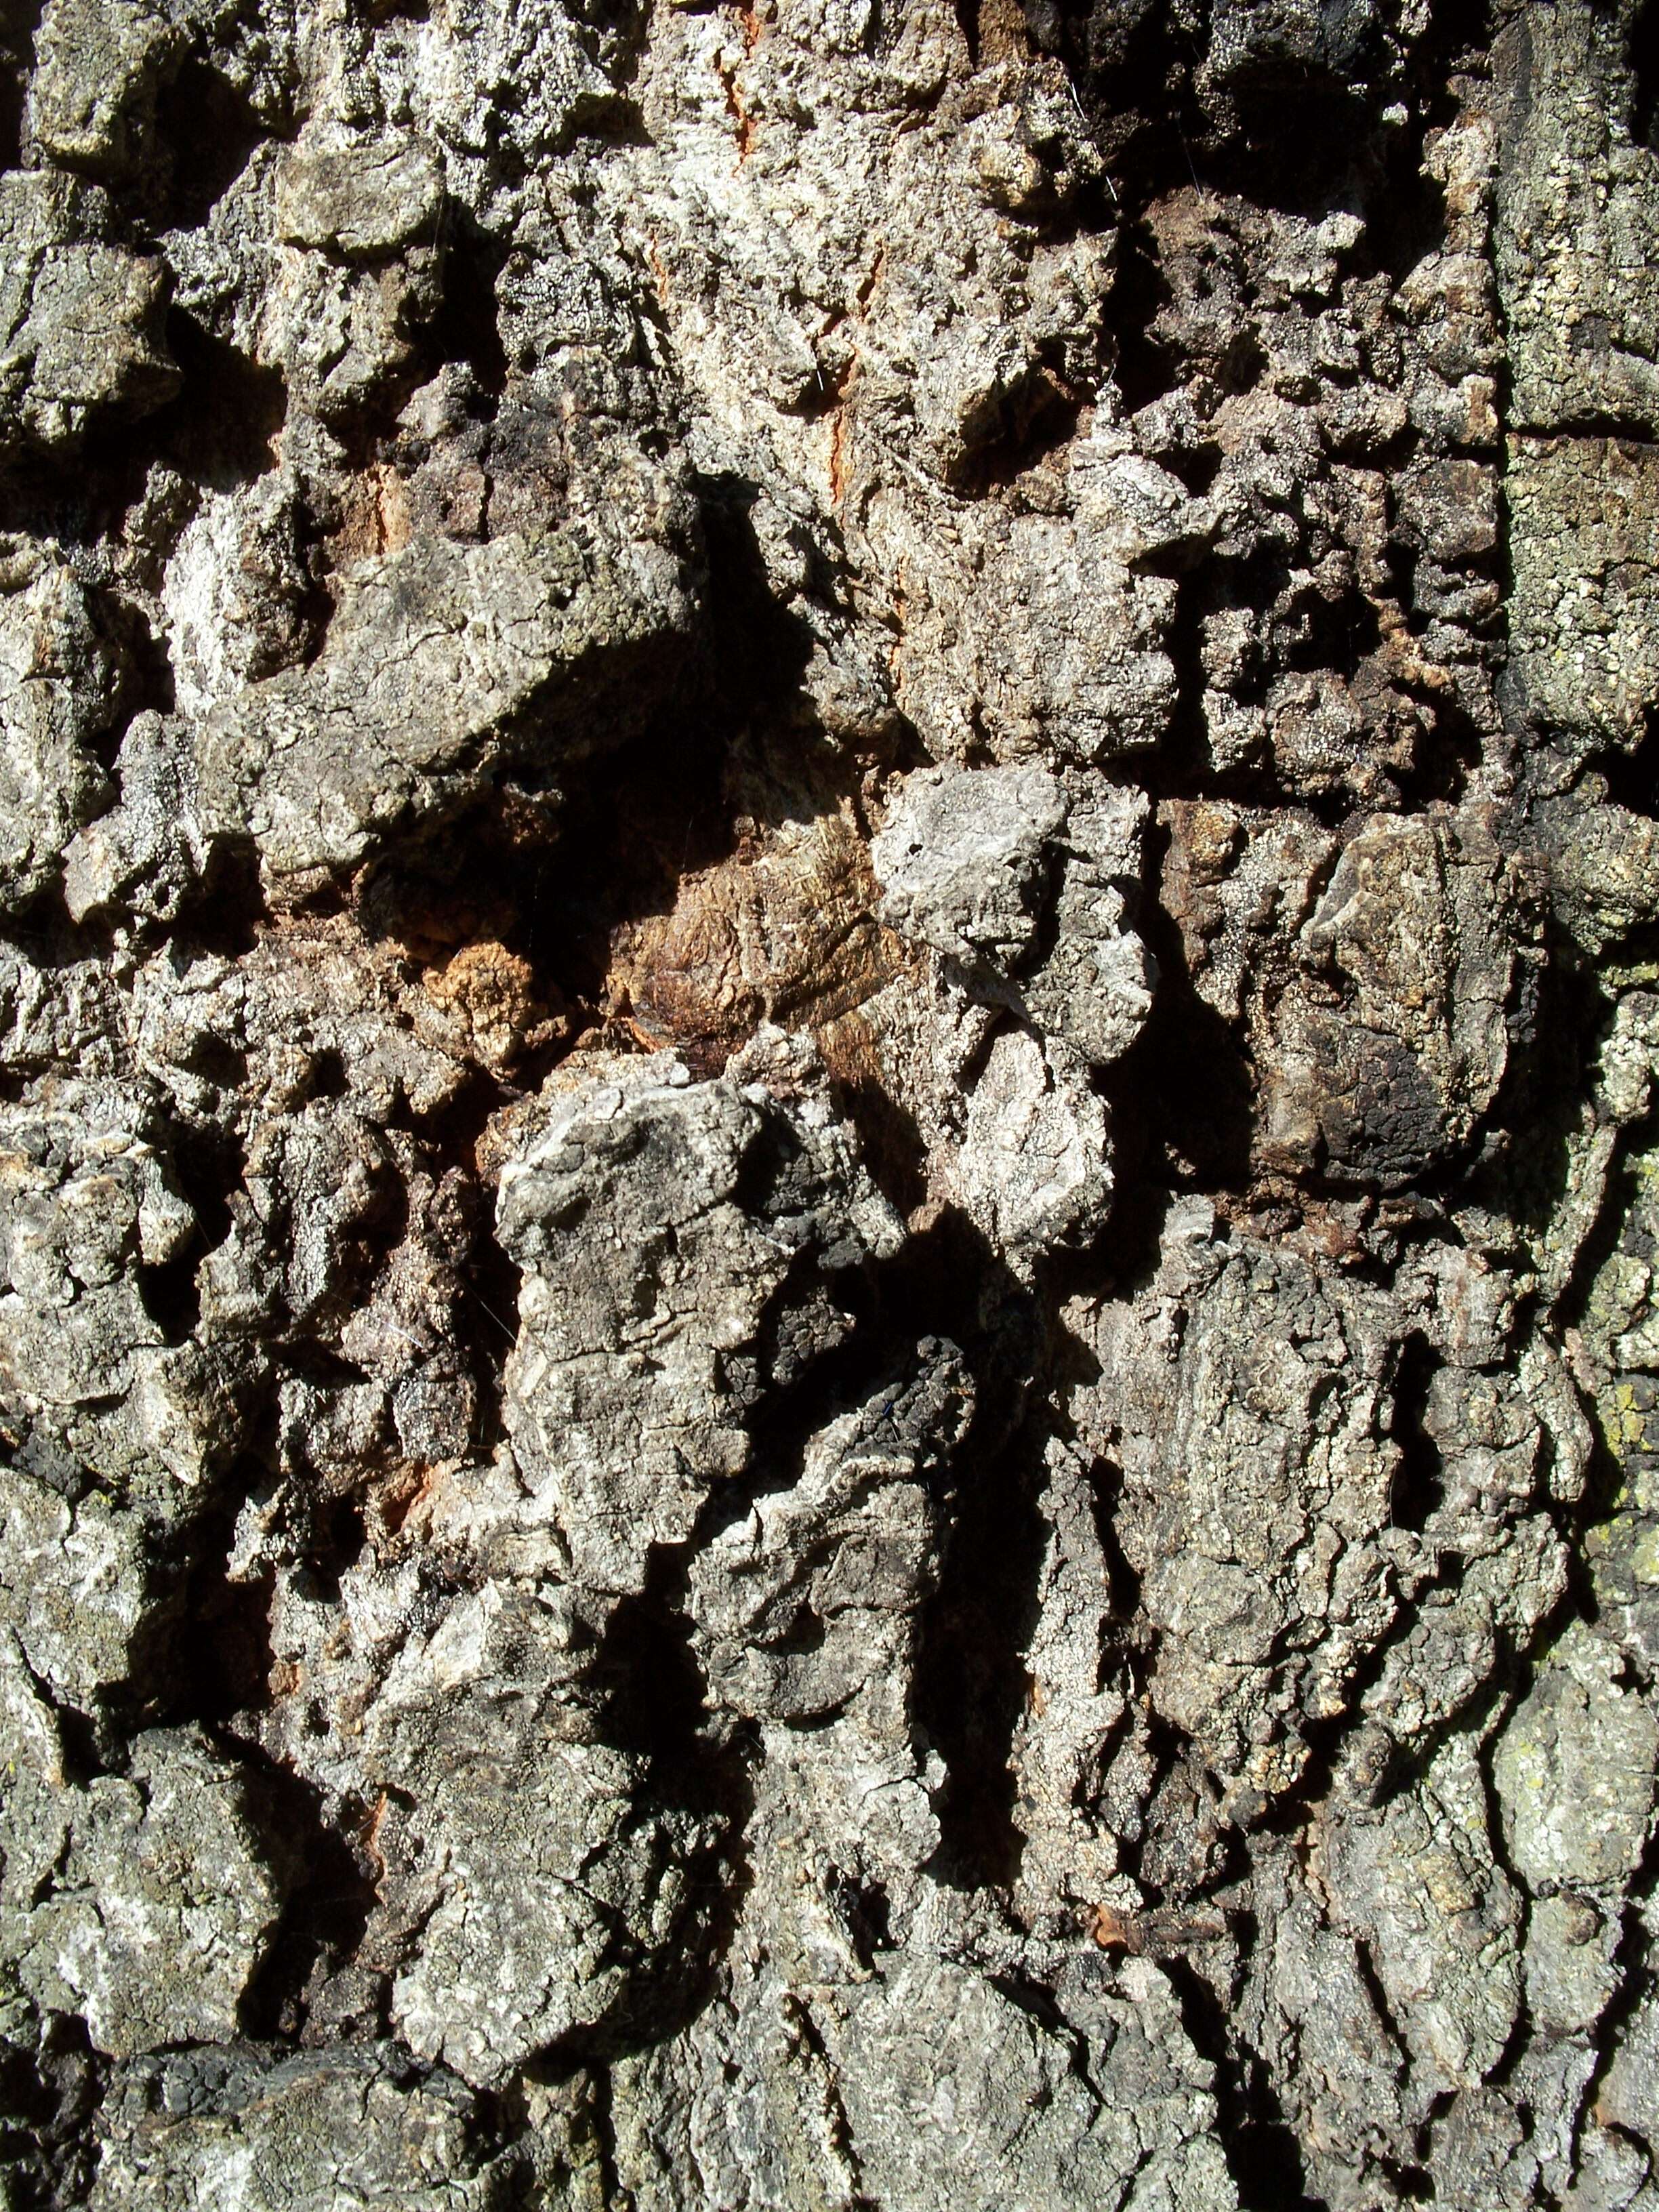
{"x":829,"y":1357}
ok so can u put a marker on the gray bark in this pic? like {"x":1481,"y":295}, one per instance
{"x":829,"y":1167}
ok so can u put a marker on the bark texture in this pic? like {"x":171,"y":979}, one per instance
{"x":828,"y":1165}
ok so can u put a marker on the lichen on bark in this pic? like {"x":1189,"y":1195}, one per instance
{"x":829,"y":890}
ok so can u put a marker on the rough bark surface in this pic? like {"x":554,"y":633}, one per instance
{"x":829,"y":1155}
